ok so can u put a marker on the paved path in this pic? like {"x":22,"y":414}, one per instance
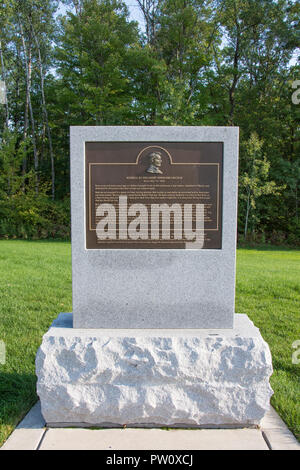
{"x":31,"y":434}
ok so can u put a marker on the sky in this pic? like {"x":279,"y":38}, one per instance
{"x":134,"y":10}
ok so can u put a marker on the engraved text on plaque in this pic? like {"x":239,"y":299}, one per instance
{"x":133,"y":179}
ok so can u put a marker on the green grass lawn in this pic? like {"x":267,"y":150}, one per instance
{"x":268,"y":290}
{"x":35,"y":285}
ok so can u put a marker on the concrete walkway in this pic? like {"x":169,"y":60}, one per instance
{"x":31,"y":434}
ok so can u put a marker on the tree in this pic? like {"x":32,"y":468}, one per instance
{"x":199,"y":62}
{"x":255,"y":182}
{"x":260,"y":38}
{"x":150,"y":9}
{"x":179,"y":48}
{"x":91,"y":56}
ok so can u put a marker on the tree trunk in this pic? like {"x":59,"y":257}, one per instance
{"x":28,"y":68}
{"x":78,"y":6}
{"x":296,"y":202}
{"x":148,"y":8}
{"x":234,"y":81}
{"x":235,"y":68}
{"x":3,"y":72}
{"x":45,"y":114}
{"x":25,"y":129}
{"x":247,"y":216}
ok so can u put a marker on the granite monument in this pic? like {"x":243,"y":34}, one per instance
{"x":153,"y":339}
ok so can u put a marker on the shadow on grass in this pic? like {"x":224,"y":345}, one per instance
{"x":267,"y":247}
{"x":17,"y":396}
{"x":39,"y":240}
{"x":290,"y":369}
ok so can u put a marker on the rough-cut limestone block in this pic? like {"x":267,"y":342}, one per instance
{"x":154,"y":377}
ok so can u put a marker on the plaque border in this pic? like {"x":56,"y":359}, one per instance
{"x":171,"y":162}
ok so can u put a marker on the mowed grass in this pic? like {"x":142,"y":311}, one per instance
{"x":268,"y":290}
{"x":35,"y":285}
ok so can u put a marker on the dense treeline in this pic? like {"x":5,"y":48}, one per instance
{"x":198,"y":62}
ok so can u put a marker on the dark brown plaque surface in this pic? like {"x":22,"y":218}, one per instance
{"x":186,"y":173}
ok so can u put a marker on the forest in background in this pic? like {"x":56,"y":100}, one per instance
{"x":198,"y":62}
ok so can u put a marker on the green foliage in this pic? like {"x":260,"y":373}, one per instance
{"x":31,"y":216}
{"x":198,"y":62}
{"x":255,"y":182}
{"x":92,"y":56}
{"x":24,"y":212}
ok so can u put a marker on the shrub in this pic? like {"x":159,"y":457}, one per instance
{"x":34,"y":216}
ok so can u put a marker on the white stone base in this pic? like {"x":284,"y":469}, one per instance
{"x":185,"y":378}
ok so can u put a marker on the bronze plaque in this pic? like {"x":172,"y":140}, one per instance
{"x":129,"y":180}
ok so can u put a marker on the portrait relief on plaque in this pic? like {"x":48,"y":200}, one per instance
{"x":154,"y":195}
{"x":155,"y":163}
